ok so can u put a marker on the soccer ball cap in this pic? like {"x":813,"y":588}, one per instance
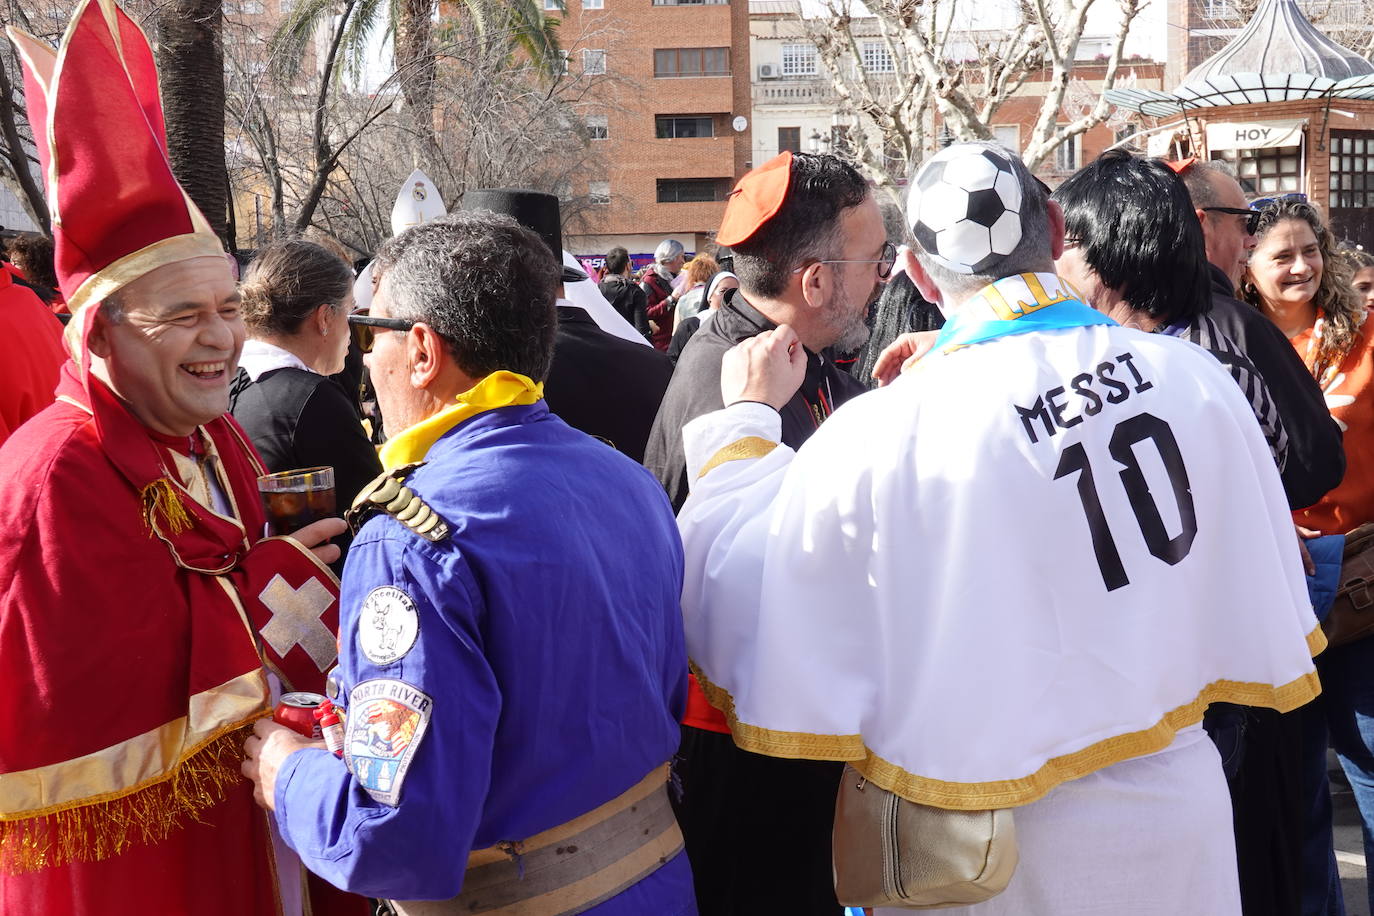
{"x":964,"y":207}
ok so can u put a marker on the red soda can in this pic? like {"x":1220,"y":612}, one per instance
{"x":297,"y":712}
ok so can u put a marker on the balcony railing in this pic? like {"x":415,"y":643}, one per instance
{"x":794,"y":92}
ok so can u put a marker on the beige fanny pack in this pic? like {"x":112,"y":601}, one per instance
{"x":572,"y":867}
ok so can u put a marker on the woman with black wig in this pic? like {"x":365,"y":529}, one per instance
{"x":1134,"y":250}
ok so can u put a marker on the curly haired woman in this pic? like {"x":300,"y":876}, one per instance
{"x":1300,"y":282}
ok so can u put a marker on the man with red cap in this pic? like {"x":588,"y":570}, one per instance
{"x":144,"y":625}
{"x":810,"y":252}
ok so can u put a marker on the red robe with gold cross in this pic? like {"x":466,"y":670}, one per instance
{"x":131,"y":652}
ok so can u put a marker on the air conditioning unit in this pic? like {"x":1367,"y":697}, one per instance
{"x":769,"y":71}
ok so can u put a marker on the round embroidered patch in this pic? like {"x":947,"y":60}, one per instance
{"x":388,"y":625}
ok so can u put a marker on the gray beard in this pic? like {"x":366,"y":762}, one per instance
{"x":852,"y":336}
{"x":851,"y":329}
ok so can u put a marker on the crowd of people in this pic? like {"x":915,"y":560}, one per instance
{"x":642,"y":573}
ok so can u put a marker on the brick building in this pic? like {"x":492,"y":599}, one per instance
{"x":676,"y":135}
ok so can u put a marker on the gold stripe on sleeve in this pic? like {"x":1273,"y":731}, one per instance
{"x":739,"y":450}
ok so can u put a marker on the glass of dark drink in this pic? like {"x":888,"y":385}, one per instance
{"x":294,"y":499}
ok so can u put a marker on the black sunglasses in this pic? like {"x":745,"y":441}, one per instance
{"x":1252,"y":217}
{"x":361,"y":325}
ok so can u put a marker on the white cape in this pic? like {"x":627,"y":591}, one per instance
{"x":917,"y":590}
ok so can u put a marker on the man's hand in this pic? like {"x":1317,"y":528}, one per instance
{"x":768,"y":368}
{"x":316,"y":533}
{"x":902,"y":354}
{"x":267,"y":749}
{"x":1307,"y":534}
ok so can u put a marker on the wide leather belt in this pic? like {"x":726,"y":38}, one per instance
{"x":572,"y":867}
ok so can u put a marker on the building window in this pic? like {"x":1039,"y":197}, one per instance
{"x":1218,"y":9}
{"x":789,"y":139}
{"x":1008,"y":136}
{"x":553,"y":6}
{"x":593,"y":61}
{"x":691,"y":2}
{"x":673,"y":62}
{"x":599,"y":192}
{"x":1352,"y":169}
{"x":674,"y":127}
{"x":1262,"y":172}
{"x":563,"y":62}
{"x":593,"y":4}
{"x":597,"y":128}
{"x":1066,"y":155}
{"x":692,"y":190}
{"x":877,"y":58}
{"x":798,"y":60}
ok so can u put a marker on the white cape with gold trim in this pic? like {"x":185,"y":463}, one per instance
{"x":917,"y":590}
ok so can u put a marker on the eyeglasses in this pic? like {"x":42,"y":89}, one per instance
{"x":1252,"y":217}
{"x":885,"y":263}
{"x":361,"y":325}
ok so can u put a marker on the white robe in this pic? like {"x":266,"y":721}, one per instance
{"x":918,"y":591}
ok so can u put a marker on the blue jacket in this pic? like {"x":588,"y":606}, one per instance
{"x":505,"y":680}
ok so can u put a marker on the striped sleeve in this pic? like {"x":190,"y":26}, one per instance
{"x":1205,"y":333}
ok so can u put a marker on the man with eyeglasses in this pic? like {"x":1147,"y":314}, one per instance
{"x":810,"y":251}
{"x":1279,"y":761}
{"x":511,"y":651}
{"x":1316,"y":461}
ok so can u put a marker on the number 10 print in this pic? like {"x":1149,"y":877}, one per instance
{"x":1126,"y":435}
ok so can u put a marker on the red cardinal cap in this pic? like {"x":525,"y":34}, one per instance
{"x":1181,"y":165}
{"x":755,"y":200}
{"x":117,"y":209}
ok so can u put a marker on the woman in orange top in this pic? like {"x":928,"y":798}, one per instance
{"x":1301,"y":284}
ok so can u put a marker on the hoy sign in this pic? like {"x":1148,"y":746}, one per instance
{"x":1254,"y":135}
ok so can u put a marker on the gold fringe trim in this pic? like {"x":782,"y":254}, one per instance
{"x":1004,"y":793}
{"x":161,"y":498}
{"x":739,"y":450}
{"x":90,"y":833}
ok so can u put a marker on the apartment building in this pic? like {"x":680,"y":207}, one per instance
{"x":674,"y":128}
{"x":796,"y":107}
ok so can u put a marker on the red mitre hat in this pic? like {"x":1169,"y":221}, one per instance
{"x":117,"y":209}
{"x":755,"y":200}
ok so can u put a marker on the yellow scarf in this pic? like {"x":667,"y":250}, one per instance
{"x":500,"y":389}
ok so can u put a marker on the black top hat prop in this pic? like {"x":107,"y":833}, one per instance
{"x":534,"y":210}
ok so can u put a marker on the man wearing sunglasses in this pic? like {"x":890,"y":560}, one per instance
{"x":810,"y":251}
{"x":511,"y":645}
{"x":1316,"y":461}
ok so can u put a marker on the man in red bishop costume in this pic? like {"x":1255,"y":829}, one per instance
{"x":145,"y":625}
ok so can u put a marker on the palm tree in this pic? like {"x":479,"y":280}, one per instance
{"x":190,"y":61}
{"x":520,"y":23}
